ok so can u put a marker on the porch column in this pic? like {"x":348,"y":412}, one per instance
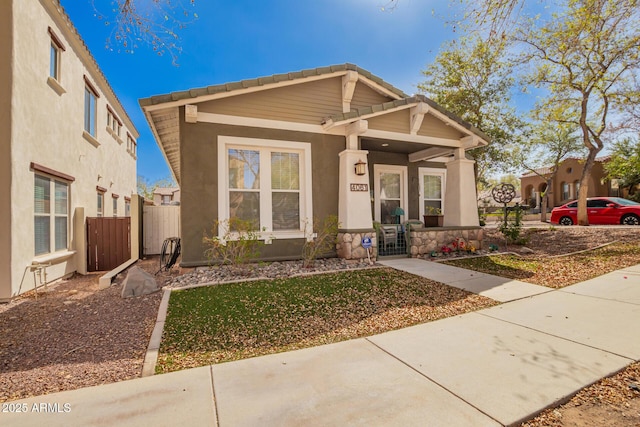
{"x":354,"y":201}
{"x":460,"y":202}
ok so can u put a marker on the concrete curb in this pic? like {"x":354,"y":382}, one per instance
{"x":151,"y":357}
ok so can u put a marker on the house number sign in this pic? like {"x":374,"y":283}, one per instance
{"x":359,"y":187}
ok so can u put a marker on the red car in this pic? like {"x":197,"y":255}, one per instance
{"x":601,"y":210}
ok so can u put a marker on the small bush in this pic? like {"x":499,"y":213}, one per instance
{"x":239,"y":244}
{"x":512,"y":229}
{"x":322,"y":242}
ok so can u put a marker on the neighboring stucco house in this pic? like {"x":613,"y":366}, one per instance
{"x":284,"y":149}
{"x":566,"y":184}
{"x":67,"y":146}
{"x":163,"y":196}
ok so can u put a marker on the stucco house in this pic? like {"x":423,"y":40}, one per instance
{"x":338,"y":140}
{"x":567,"y":183}
{"x":67,"y":146}
{"x":163,"y":196}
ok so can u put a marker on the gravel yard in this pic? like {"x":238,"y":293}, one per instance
{"x":73,"y":335}
{"x":76,"y":335}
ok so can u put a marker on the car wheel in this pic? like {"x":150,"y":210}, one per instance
{"x":565,"y":220}
{"x":630,"y":220}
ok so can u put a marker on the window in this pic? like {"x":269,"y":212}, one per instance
{"x":565,"y":191}
{"x":114,"y":204}
{"x":54,"y":65}
{"x":131,"y":145}
{"x":113,"y":122}
{"x":166,"y":199}
{"x":127,"y":207}
{"x":55,"y":54}
{"x":90,"y":105}
{"x":432,"y":184}
{"x":576,"y":186}
{"x":100,"y":201}
{"x":598,"y":203}
{"x":267,"y":183}
{"x":51,"y":220}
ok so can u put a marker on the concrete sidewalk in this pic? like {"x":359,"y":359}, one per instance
{"x":492,"y":367}
{"x":494,"y":287}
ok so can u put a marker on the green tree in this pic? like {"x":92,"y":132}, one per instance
{"x":585,"y":54}
{"x":146,"y":187}
{"x":471,"y":79}
{"x":546,"y":148}
{"x":587,"y":57}
{"x":624,"y":166}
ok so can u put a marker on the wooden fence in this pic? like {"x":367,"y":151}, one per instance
{"x":159,"y":223}
{"x":108,"y":242}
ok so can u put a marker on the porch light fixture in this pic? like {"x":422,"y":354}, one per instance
{"x":361,"y":168}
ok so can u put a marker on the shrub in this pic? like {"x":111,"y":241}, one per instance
{"x":322,"y":241}
{"x":512,"y":229}
{"x":239,"y":244}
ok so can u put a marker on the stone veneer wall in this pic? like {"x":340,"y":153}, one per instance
{"x":426,"y":240}
{"x":349,"y":244}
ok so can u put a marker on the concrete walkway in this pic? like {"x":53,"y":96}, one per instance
{"x":492,"y":367}
{"x":494,"y":287}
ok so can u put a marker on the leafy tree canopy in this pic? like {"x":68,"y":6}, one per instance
{"x":146,"y":187}
{"x":624,"y":166}
{"x":471,"y":79}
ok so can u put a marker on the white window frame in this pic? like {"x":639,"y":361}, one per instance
{"x":52,"y":215}
{"x":127,"y":207}
{"x":114,"y":205}
{"x":379,"y":169}
{"x":442,"y":173}
{"x":266,"y":146}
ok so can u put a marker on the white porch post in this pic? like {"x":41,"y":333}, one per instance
{"x":460,"y":202}
{"x":354,"y":202}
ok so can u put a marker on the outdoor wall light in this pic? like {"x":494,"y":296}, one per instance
{"x":361,"y":168}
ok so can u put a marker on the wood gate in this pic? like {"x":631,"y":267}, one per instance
{"x":108,"y":242}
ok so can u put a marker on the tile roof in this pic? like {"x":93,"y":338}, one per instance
{"x":262,"y":81}
{"x":402,"y":102}
{"x":549,"y":169}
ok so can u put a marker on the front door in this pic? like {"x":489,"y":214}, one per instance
{"x":390,"y":207}
{"x":390,"y":187}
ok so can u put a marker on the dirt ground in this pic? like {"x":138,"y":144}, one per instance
{"x":75,"y":335}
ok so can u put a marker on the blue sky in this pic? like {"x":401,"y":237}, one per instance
{"x":239,"y":39}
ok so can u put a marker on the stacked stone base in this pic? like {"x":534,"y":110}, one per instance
{"x":424,"y":241}
{"x":349,"y":245}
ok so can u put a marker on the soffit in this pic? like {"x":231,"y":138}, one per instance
{"x":165,"y":125}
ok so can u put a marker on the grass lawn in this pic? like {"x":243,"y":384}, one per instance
{"x":556,"y":272}
{"x":234,"y":321}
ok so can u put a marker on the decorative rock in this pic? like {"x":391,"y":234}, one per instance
{"x":227,"y":273}
{"x":138,"y":282}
